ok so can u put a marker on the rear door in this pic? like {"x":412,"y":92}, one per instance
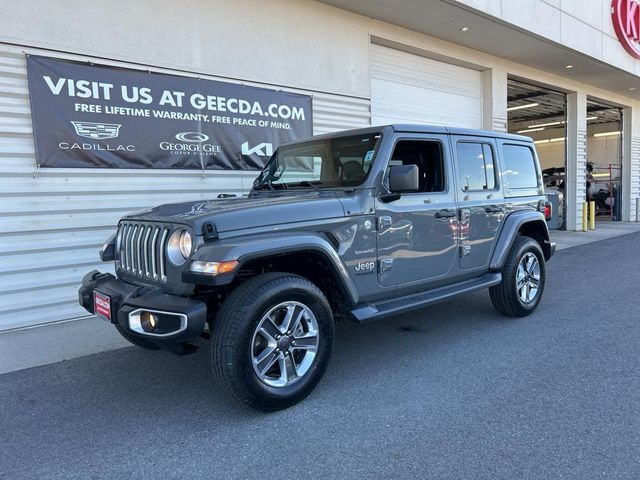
{"x":480,"y":199}
{"x":416,"y":236}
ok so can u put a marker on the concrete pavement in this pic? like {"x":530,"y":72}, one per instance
{"x":454,"y":391}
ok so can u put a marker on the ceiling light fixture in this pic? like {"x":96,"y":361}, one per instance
{"x":531,"y":130}
{"x":550,"y":124}
{"x":464,"y":29}
{"x":568,"y":67}
{"x":633,"y":89}
{"x":607,"y":134}
{"x":540,"y":142}
{"x":558,"y":139}
{"x":522,"y":107}
{"x":592,"y":118}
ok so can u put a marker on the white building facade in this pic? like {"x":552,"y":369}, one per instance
{"x":364,"y":63}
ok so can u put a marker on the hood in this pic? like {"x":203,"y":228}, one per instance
{"x":242,"y":213}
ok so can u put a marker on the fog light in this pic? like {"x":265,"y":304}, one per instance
{"x":214,"y":268}
{"x":149,"y":321}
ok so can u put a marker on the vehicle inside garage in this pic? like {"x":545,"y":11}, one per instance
{"x":541,"y":113}
{"x":604,"y":159}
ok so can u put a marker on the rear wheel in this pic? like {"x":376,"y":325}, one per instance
{"x":271,"y":340}
{"x":523,"y":278}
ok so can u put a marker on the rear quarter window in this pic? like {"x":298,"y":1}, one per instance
{"x":520,"y":167}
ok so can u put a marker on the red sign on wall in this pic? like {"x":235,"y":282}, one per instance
{"x":626,"y":22}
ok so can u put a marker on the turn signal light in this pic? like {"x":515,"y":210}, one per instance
{"x":213,"y":268}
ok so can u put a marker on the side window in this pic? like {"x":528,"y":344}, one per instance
{"x":520,"y":167}
{"x":476,"y":166}
{"x":427,"y":155}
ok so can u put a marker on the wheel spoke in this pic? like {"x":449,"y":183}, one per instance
{"x":269,"y":330}
{"x":292,"y":318}
{"x":288,"y":371}
{"x":529,"y":265}
{"x":521,"y":274}
{"x":521,"y":293}
{"x":266,"y":359}
{"x":305,"y":343}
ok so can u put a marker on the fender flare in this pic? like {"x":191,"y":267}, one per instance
{"x":245,"y":249}
{"x":509,"y":232}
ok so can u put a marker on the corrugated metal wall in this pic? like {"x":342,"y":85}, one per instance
{"x":53,"y":221}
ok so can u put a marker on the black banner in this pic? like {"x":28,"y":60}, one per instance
{"x":97,"y":116}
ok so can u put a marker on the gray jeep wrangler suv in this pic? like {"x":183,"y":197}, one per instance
{"x":359,"y":225}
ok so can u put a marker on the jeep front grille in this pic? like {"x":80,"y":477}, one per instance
{"x":142,"y":250}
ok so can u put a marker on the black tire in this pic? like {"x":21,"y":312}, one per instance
{"x":233,"y":330}
{"x":505,"y":296}
{"x":137,"y":341}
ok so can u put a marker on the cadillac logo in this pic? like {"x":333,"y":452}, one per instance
{"x":97,"y":131}
{"x":626,"y":22}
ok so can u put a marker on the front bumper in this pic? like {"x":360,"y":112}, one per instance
{"x":127,"y":300}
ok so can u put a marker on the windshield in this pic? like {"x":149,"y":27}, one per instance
{"x":332,"y":162}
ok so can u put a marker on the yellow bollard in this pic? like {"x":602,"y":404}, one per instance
{"x":584,"y":216}
{"x":592,"y":215}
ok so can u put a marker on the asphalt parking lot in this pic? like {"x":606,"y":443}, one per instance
{"x":453,"y":391}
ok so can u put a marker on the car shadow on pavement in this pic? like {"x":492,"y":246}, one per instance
{"x":365,"y":357}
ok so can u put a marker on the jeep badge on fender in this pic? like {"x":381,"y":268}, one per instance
{"x":353,"y":225}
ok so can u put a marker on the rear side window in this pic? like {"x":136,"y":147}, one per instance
{"x":476,"y":166}
{"x":520,"y":167}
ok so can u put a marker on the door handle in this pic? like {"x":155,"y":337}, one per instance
{"x":493,"y":209}
{"x":446,"y":214}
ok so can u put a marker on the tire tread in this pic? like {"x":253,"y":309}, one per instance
{"x":503,"y":296}
{"x":229,"y":321}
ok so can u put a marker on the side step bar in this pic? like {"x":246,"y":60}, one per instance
{"x":373,"y":311}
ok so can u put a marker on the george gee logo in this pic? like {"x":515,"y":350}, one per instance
{"x":625,"y":15}
{"x":190,"y":143}
{"x":194,"y":137}
{"x":97,"y":131}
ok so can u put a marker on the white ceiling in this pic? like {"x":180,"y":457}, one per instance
{"x":441,"y":19}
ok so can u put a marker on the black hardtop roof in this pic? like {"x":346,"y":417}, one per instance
{"x":415,"y":128}
{"x":410,"y":128}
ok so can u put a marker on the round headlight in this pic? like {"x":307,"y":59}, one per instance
{"x":179,"y":247}
{"x":185,"y":244}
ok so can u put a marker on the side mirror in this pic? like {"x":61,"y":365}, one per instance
{"x":404,"y":178}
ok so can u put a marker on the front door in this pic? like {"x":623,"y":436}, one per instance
{"x":480,"y":199}
{"x":416,"y":236}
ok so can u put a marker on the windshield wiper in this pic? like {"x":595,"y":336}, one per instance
{"x":307,"y":183}
{"x":262,"y":186}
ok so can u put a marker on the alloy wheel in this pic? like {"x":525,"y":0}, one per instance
{"x":284,"y":344}
{"x":528,"y":278}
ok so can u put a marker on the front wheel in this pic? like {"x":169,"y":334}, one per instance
{"x":271,"y":340}
{"x":523,"y":278}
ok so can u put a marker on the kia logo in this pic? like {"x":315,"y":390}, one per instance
{"x":262,"y":150}
{"x":194,"y":137}
{"x":626,"y":22}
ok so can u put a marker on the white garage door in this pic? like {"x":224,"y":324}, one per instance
{"x":408,"y":88}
